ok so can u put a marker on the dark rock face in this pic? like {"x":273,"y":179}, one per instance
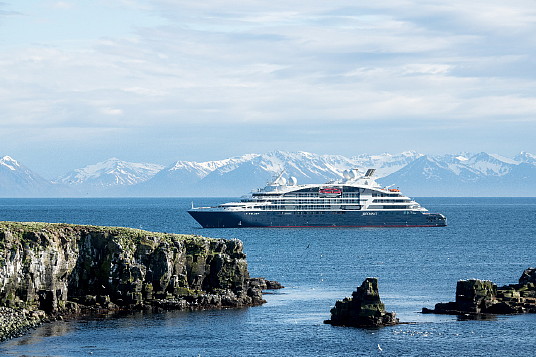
{"x":363,"y":309}
{"x":472,"y":296}
{"x":265,"y":284}
{"x":528,"y":276}
{"x":476,"y":297}
{"x":61,"y":269}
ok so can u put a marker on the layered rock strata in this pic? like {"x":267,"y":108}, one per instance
{"x":363,"y":309}
{"x":67,"y":269}
{"x":475,"y":297}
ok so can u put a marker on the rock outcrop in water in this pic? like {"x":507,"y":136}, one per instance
{"x":363,"y":309}
{"x":476,"y":297}
{"x":67,"y":269}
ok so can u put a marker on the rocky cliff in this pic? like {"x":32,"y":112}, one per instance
{"x":62,"y":268}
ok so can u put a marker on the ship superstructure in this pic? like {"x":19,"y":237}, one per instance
{"x":355,"y":201}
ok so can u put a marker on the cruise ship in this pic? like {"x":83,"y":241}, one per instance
{"x":356,"y":201}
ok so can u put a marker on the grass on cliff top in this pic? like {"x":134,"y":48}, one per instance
{"x":130,"y":234}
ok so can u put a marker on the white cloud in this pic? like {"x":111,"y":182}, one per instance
{"x":63,"y":5}
{"x":235,"y":62}
{"x":111,"y":111}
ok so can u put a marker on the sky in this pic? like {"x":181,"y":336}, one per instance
{"x":161,"y":80}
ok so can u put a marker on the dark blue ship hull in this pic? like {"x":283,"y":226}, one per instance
{"x":236,"y":219}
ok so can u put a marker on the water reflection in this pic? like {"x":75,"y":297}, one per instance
{"x":476,"y":317}
{"x":48,"y":329}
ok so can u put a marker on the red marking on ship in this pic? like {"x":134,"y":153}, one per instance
{"x":330,"y":191}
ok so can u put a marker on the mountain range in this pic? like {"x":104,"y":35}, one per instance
{"x":416,"y":174}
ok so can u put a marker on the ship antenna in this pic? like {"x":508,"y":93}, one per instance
{"x":276,"y":179}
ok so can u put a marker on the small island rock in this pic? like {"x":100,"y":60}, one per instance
{"x":476,"y":297}
{"x":363,"y":309}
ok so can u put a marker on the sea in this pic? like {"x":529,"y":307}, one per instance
{"x":486,"y":238}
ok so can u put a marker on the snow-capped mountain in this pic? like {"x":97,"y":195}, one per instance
{"x":16,"y":180}
{"x":416,"y":174}
{"x":239,"y":175}
{"x":525,"y":157}
{"x":106,"y":175}
{"x":254,"y":173}
{"x":479,"y":174}
{"x":462,"y":174}
{"x":182,"y":177}
{"x":201,"y":169}
{"x":490,"y":164}
{"x":385,"y":164}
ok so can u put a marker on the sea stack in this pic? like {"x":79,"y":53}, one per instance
{"x":363,"y":309}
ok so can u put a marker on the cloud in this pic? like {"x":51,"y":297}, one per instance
{"x":111,"y":111}
{"x":7,"y":13}
{"x":248,"y":63}
{"x":63,"y":5}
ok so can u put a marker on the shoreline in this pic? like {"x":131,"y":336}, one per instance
{"x":49,"y":271}
{"x":18,"y":322}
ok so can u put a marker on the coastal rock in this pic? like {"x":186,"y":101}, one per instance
{"x":265,"y":284}
{"x":15,"y":322}
{"x":472,"y":296}
{"x":528,"y":276}
{"x":363,"y":309}
{"x":67,"y":269}
{"x":476,"y":297}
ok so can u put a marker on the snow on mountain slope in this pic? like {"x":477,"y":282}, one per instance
{"x":479,"y":174}
{"x":526,"y":157}
{"x":385,"y":164}
{"x":112,"y":172}
{"x":457,"y":164}
{"x":10,"y":163}
{"x":251,"y":174}
{"x":201,"y":169}
{"x":460,"y":174}
{"x":429,"y":176}
{"x":306,"y":167}
{"x":237,"y":175}
{"x":426,"y":168}
{"x":16,"y":180}
{"x":182,"y":177}
{"x":455,"y":173}
{"x":198,"y":169}
{"x":490,"y":165}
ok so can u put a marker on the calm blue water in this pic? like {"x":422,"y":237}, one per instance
{"x":487,"y":238}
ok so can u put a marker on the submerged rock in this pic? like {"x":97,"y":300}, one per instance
{"x":475,"y":297}
{"x":67,"y":269}
{"x":363,"y":309}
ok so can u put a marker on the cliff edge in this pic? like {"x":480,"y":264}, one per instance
{"x":67,"y":269}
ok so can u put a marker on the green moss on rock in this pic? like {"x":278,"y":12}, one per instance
{"x":48,"y":264}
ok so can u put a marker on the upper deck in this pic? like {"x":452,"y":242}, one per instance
{"x":355,"y":193}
